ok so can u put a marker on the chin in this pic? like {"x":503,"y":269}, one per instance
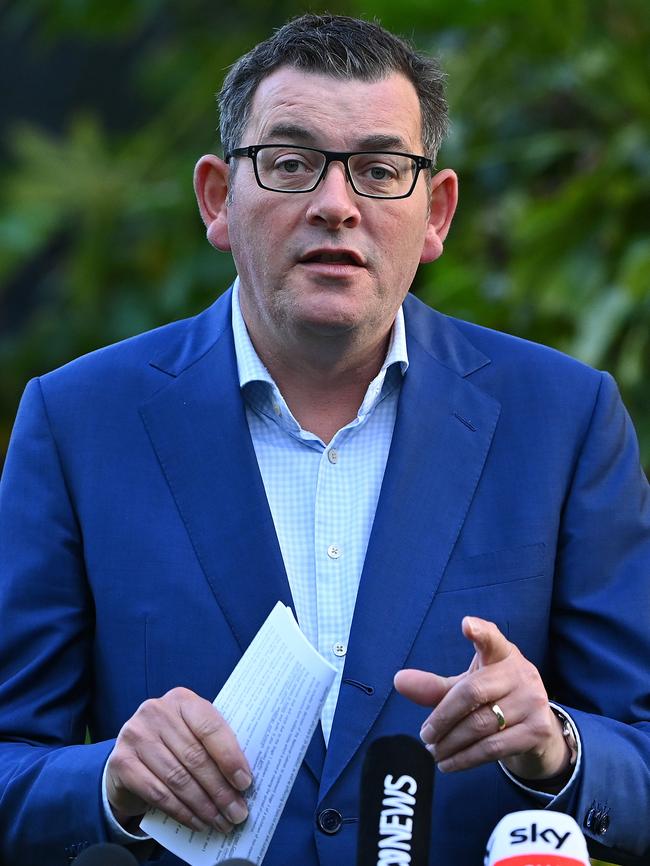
{"x":334,"y":317}
{"x":329,"y":327}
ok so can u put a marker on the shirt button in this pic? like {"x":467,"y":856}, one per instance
{"x":333,"y":551}
{"x":333,"y":456}
{"x":277,"y":410}
{"x":339,"y":649}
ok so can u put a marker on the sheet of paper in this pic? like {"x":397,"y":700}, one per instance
{"x":272,"y":700}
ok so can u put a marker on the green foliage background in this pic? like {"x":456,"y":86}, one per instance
{"x":550,"y":101}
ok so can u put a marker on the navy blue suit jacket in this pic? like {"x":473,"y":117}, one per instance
{"x":138,"y":553}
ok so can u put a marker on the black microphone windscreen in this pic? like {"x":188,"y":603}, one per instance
{"x":105,"y":854}
{"x":396,"y":802}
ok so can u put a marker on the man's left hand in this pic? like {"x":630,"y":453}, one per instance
{"x":463,"y":729}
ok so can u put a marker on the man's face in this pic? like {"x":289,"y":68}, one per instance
{"x":330,"y":262}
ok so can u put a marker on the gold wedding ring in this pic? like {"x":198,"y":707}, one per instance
{"x":501,"y":719}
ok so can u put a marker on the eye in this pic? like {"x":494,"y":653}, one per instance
{"x":291,"y":165}
{"x":380,"y":172}
{"x":374,"y":171}
{"x":285,"y":163}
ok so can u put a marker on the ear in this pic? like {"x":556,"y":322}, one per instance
{"x":211,"y":188}
{"x":444,"y":198}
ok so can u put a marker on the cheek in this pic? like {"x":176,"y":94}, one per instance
{"x":402,"y":244}
{"x":405,"y":226}
{"x":262,"y":223}
{"x":246,"y":232}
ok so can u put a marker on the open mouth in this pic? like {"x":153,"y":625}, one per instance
{"x":331,"y":257}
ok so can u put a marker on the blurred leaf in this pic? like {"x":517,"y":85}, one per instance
{"x":599,"y":326}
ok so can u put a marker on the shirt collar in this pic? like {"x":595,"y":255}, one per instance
{"x":251,"y":369}
{"x":249,"y":365}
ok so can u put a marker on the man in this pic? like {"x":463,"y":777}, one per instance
{"x":433,"y":498}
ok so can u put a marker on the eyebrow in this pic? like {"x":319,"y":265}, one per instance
{"x":383,"y":141}
{"x":292,"y":132}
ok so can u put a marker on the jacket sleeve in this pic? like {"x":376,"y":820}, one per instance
{"x":50,"y":796}
{"x":600,"y":634}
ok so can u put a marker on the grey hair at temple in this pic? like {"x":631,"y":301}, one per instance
{"x":342,"y":47}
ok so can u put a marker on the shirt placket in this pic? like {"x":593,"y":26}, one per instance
{"x":333,"y":561}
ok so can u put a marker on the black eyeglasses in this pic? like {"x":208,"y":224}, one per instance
{"x":375,"y":174}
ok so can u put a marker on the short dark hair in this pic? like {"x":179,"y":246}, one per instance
{"x":342,"y":47}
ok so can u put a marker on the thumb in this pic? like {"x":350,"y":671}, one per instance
{"x":422,"y":687}
{"x":490,"y":644}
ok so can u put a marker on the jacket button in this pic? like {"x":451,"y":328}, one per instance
{"x":329,"y":821}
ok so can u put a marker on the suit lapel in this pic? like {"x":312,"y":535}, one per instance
{"x":442,"y":436}
{"x":197,"y":426}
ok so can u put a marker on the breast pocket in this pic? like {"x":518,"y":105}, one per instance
{"x":495,"y":567}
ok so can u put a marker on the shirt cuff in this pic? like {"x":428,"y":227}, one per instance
{"x":542,"y":796}
{"x":116,"y":831}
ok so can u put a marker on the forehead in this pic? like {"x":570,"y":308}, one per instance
{"x":335,"y":113}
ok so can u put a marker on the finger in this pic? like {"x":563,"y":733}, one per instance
{"x":496,"y":747}
{"x":165,"y":765}
{"x":195,"y":777}
{"x":519,"y":740}
{"x":219,"y":741}
{"x":483,"y":687}
{"x":423,"y":688}
{"x":128,"y":773}
{"x":490,"y":644}
{"x":473,"y":728}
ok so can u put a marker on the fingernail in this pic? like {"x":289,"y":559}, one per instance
{"x":236,"y":813}
{"x":242,"y":780}
{"x":426,"y":734}
{"x":221,"y":824}
{"x":199,"y":825}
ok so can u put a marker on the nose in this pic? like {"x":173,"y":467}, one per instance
{"x":333,"y":202}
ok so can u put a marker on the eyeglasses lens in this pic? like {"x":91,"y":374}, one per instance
{"x":296,"y":169}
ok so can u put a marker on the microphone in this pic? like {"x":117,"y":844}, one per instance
{"x":105,"y":854}
{"x":536,"y":837}
{"x":396,"y":800}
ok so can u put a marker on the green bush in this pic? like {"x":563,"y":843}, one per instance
{"x":550,"y":104}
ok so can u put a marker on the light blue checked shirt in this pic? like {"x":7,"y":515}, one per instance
{"x":322,"y":497}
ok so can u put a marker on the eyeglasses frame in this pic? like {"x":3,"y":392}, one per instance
{"x":342,"y":156}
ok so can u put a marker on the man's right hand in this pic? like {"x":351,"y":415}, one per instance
{"x":177,"y":753}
